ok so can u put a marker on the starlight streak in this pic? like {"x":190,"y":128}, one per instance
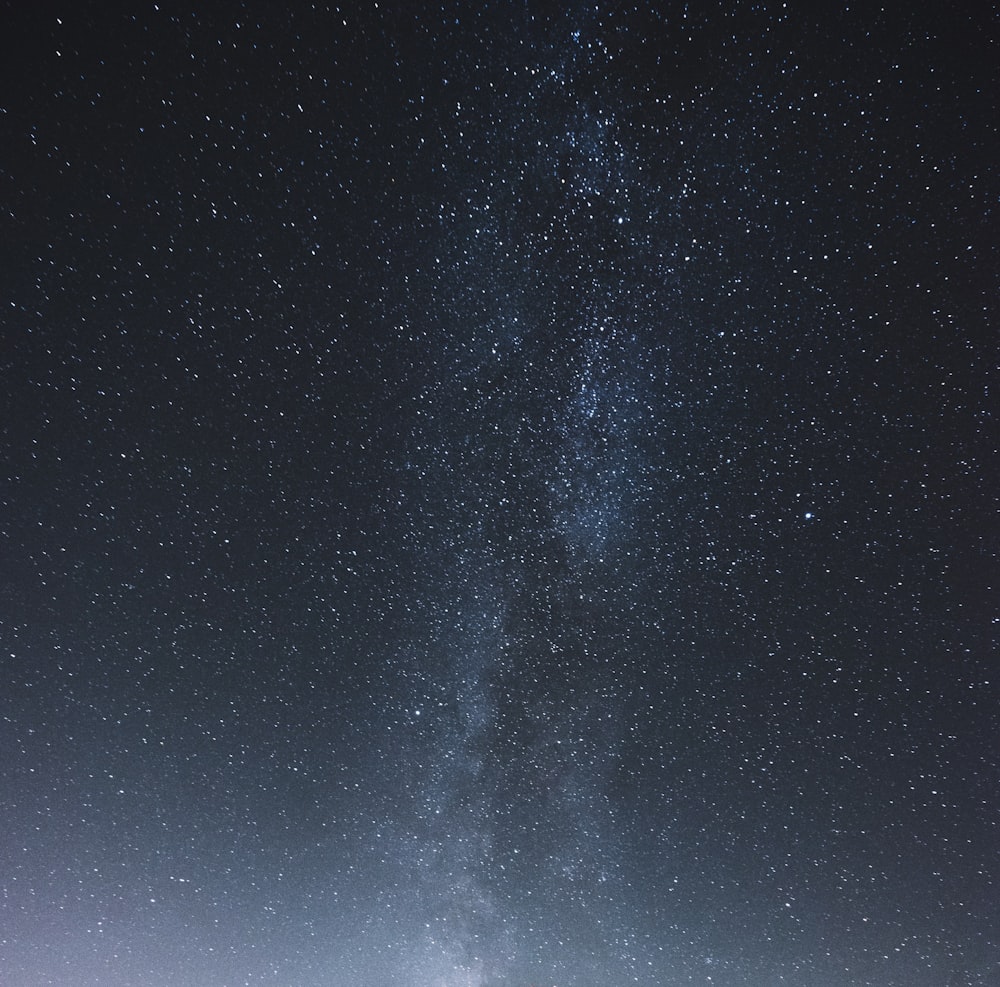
{"x":494,"y":496}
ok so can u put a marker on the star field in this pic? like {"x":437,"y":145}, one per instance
{"x":499,"y":496}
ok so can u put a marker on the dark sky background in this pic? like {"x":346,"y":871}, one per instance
{"x":499,"y":496}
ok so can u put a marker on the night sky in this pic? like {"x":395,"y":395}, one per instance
{"x":496,"y":495}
